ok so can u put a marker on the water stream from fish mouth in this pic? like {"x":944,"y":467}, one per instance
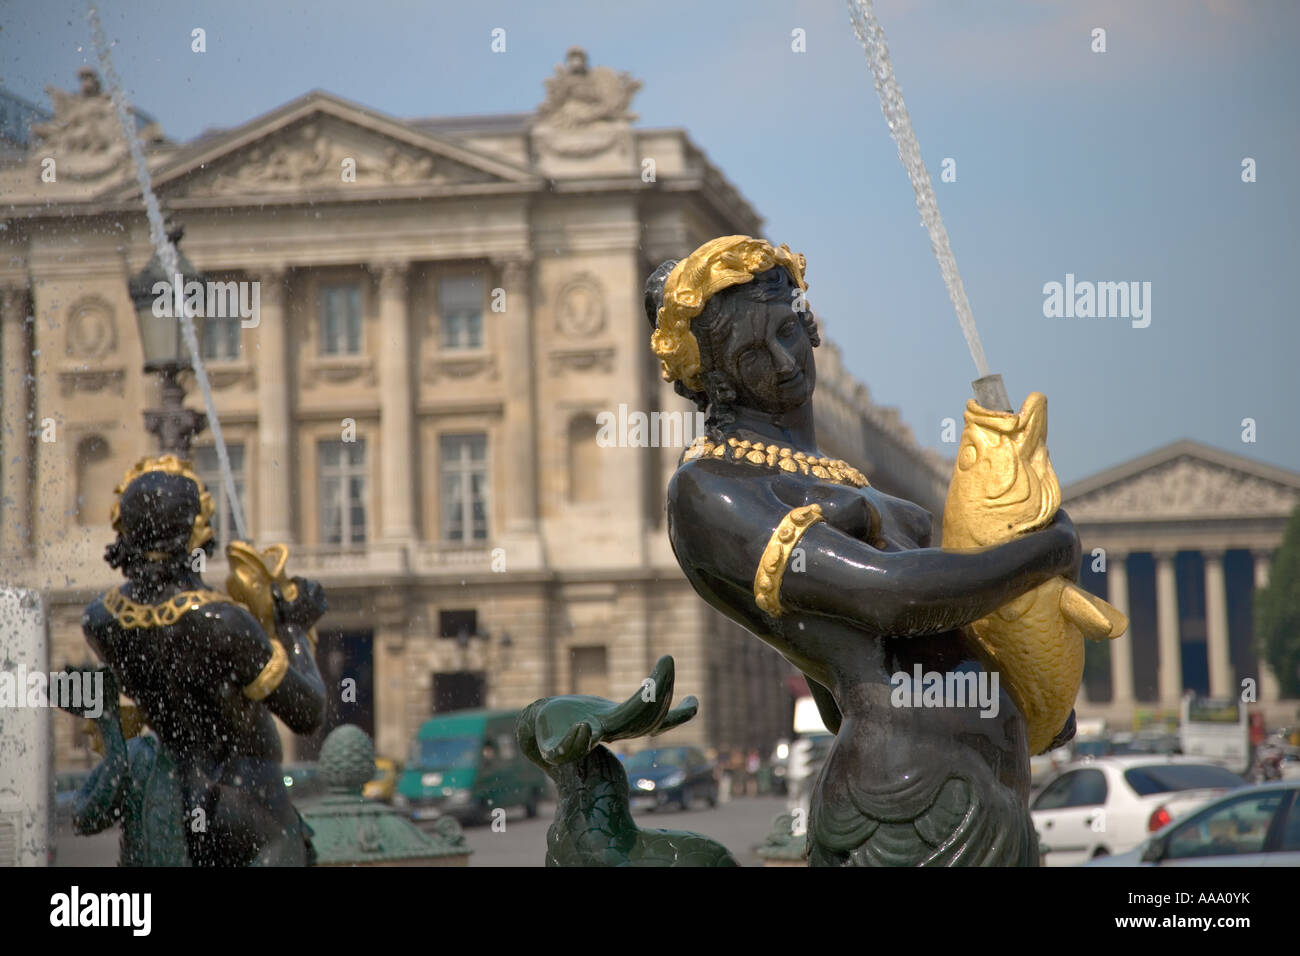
{"x":167,"y":255}
{"x":872,"y":38}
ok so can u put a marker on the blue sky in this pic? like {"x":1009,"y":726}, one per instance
{"x":1122,"y":166}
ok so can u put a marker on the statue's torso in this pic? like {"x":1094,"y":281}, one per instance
{"x":922,"y":767}
{"x":187,"y":690}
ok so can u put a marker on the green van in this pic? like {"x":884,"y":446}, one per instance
{"x":465,"y":764}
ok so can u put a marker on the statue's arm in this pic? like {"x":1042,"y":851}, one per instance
{"x":926,"y":590}
{"x":294,"y":621}
{"x":723,"y":523}
{"x":287,"y":680}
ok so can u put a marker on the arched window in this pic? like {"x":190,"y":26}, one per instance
{"x":95,"y":480}
{"x":584,"y":460}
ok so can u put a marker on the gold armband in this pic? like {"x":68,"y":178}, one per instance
{"x":271,"y":675}
{"x":771,"y":566}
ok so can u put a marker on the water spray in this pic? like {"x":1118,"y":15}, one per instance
{"x":989,"y":388}
{"x":167,"y":255}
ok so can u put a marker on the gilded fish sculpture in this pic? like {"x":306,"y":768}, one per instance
{"x":1003,"y":486}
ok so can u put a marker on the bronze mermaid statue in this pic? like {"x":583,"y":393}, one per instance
{"x":206,"y":673}
{"x":841,"y":579}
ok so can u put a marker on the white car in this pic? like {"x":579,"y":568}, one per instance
{"x":1043,"y":766}
{"x":1107,"y":805}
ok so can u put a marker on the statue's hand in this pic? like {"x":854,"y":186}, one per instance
{"x":109,"y":698}
{"x":304,"y":611}
{"x":1068,"y":551}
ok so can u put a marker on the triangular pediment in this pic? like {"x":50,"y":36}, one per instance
{"x":321,"y":144}
{"x":1185,"y":480}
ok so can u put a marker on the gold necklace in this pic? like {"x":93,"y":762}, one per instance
{"x":131,"y":615}
{"x":776,"y":456}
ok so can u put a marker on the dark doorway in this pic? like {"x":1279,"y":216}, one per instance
{"x":458,"y":690}
{"x":346,"y":662}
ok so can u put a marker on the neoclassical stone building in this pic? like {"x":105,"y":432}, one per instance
{"x":445,"y":306}
{"x":1187,"y":533}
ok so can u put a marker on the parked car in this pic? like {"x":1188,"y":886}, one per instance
{"x":383,"y":784}
{"x":1252,"y":826}
{"x":1155,"y":742}
{"x":670,"y":776}
{"x":1291,"y":764}
{"x":1092,"y":747}
{"x":1108,"y":805}
{"x":465,"y":764}
{"x":1042,"y":766}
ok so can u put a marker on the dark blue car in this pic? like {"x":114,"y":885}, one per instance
{"x":670,"y":776}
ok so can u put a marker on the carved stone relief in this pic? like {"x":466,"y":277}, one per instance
{"x":1185,"y":487}
{"x":580,"y":307}
{"x":92,"y":332}
{"x":308,"y":155}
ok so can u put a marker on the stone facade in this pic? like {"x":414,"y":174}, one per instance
{"x":431,"y":460}
{"x":1186,"y":534}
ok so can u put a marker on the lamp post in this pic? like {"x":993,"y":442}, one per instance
{"x":164,"y":348}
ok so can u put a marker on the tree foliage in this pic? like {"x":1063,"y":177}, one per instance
{"x":1277,"y":612}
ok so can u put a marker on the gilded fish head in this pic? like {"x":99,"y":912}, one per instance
{"x":1004,"y":483}
{"x":252,"y":574}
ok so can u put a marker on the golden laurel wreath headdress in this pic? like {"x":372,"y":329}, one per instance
{"x":716,"y":265}
{"x":201,"y":533}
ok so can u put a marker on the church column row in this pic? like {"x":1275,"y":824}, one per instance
{"x":1169,"y":666}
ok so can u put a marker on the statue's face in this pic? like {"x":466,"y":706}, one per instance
{"x":766,"y":351}
{"x":89,"y":83}
{"x":577,"y":62}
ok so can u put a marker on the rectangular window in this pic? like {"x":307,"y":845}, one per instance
{"x":220,"y":338}
{"x":340,"y":319}
{"x":590,"y":670}
{"x":464,"y":471}
{"x":454,"y":623}
{"x":208,"y":468}
{"x":342,"y":476}
{"x":460,"y":305}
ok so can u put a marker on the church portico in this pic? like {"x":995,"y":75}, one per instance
{"x":1180,"y":540}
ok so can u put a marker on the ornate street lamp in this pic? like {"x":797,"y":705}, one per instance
{"x":164,"y":348}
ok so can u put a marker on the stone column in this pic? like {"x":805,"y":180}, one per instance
{"x":393,"y":620}
{"x":515,"y":346}
{"x":1216,"y":626}
{"x":15,"y":428}
{"x":396,"y":417}
{"x":1121,"y":649}
{"x":1171,"y":659}
{"x":275,"y":465}
{"x":1269,"y":690}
